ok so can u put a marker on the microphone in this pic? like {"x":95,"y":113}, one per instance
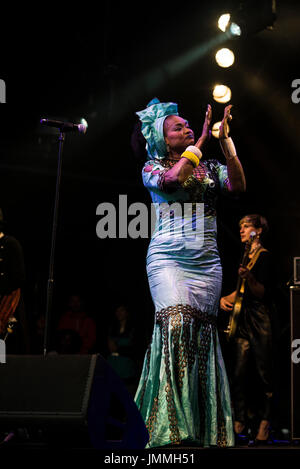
{"x":65,"y":126}
{"x":252,"y":235}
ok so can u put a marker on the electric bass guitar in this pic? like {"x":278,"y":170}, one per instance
{"x":8,"y":306}
{"x":240,"y":289}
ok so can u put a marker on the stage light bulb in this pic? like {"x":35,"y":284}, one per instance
{"x":84,"y":122}
{"x":223,"y":21}
{"x":222,"y":93}
{"x":235,"y":29}
{"x":224,"y":57}
{"x":216,"y":129}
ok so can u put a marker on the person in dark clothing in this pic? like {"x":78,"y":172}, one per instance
{"x":121,"y":341}
{"x":76,"y":319}
{"x":12,"y":279}
{"x":253,"y":336}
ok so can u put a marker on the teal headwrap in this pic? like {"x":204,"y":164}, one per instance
{"x":152,"y":119}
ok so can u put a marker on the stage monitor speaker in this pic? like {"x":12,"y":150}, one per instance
{"x":62,"y":396}
{"x":295,"y":361}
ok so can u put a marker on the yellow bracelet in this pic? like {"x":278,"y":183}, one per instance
{"x":191,"y":156}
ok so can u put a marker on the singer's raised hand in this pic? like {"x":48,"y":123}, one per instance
{"x":224,"y":128}
{"x":206,"y":127}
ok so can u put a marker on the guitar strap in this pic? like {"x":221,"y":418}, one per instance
{"x":250,"y":265}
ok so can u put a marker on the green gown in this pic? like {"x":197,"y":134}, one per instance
{"x":183,"y":393}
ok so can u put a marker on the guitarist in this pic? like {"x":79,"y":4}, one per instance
{"x":12,"y":278}
{"x":253,"y":332}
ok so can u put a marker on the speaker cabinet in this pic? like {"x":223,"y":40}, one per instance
{"x":69,"y":397}
{"x":295,"y":361}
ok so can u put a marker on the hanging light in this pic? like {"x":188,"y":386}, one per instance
{"x":249,"y":18}
{"x":225,"y":57}
{"x":235,"y":29}
{"x":223,"y":21}
{"x":222,"y":93}
{"x":215,"y":130}
{"x":83,"y":121}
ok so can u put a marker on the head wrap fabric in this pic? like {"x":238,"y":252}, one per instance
{"x":152,"y":119}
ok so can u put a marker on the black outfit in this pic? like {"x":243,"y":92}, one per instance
{"x":12,"y":271}
{"x":254,"y":338}
{"x":125,"y":360}
{"x":12,"y":277}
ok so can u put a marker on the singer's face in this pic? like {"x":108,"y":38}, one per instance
{"x":178,"y":134}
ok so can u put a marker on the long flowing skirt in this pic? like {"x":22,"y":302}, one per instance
{"x":183,"y":393}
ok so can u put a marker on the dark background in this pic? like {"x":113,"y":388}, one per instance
{"x":103,"y":63}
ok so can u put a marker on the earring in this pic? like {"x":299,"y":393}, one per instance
{"x":168,"y":148}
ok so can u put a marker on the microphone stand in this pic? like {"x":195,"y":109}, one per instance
{"x":50,"y":284}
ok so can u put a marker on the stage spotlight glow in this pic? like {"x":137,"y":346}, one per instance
{"x":216,"y":129}
{"x":249,"y":18}
{"x":223,"y":21}
{"x":225,"y":57}
{"x":84,"y":122}
{"x":235,"y":29}
{"x":222,"y":93}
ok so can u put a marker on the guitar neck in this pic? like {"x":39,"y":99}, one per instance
{"x":243,"y":264}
